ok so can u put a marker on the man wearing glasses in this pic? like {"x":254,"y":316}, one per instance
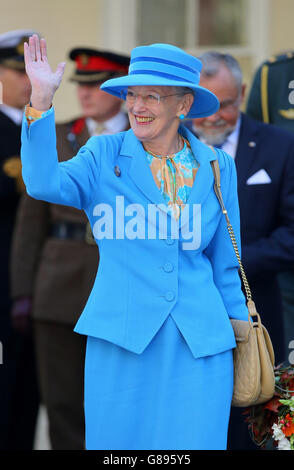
{"x":264,"y":157}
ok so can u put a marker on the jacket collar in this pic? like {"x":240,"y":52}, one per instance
{"x":141,"y":174}
{"x":247,"y":146}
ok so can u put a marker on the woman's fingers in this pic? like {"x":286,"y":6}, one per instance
{"x":60,"y":71}
{"x":27,"y":55}
{"x":44,"y":82}
{"x":37,"y":47}
{"x":43,"y":49}
{"x":32,"y":48}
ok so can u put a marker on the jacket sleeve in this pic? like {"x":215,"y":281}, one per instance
{"x":220,"y":250}
{"x":69,"y":183}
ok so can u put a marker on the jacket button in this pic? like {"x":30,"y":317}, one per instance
{"x":170,"y":241}
{"x":169,"y":296}
{"x":168,"y":267}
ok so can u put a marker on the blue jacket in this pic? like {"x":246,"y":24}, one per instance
{"x":146,"y":272}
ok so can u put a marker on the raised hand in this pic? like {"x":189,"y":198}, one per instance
{"x":44,"y":82}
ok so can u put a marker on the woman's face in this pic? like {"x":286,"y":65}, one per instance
{"x":152,"y":120}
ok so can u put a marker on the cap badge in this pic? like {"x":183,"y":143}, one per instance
{"x":84,"y":58}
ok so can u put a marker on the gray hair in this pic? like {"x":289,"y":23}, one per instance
{"x":183,"y":90}
{"x":212,"y":61}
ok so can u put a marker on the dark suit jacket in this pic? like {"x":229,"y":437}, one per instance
{"x":267,"y":217}
{"x":267,"y":229}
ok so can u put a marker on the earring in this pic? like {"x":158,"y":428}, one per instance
{"x":181,"y":116}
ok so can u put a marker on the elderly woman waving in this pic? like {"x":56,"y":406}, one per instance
{"x":159,"y":364}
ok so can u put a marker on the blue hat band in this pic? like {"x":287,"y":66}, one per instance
{"x":162,"y":61}
{"x":174,"y":72}
{"x":161,"y":74}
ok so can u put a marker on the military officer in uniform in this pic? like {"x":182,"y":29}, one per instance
{"x":19,"y":397}
{"x":271,"y":100}
{"x":54,"y":258}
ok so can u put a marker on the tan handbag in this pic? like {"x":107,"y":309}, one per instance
{"x":254,"y":380}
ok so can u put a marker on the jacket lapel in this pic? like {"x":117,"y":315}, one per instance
{"x":139,"y":171}
{"x":246,"y":149}
{"x":141,"y":174}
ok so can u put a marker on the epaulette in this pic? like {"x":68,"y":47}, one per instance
{"x":272,"y":61}
{"x":277,"y":59}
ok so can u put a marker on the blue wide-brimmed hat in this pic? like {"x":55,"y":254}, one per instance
{"x":166,"y":65}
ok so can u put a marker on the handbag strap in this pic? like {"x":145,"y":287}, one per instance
{"x":217,"y":189}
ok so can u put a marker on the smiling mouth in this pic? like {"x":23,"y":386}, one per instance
{"x":144,"y":119}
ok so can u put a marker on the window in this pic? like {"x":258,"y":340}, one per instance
{"x":161,"y":21}
{"x":221,"y":23}
{"x":240,"y":27}
{"x":192,"y":23}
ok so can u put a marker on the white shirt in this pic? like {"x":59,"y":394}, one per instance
{"x":117,"y":123}
{"x":14,"y":114}
{"x":231,"y":143}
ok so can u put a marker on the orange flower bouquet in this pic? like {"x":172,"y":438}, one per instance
{"x":274,"y":420}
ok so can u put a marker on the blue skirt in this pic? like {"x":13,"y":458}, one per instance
{"x":162,"y":399}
